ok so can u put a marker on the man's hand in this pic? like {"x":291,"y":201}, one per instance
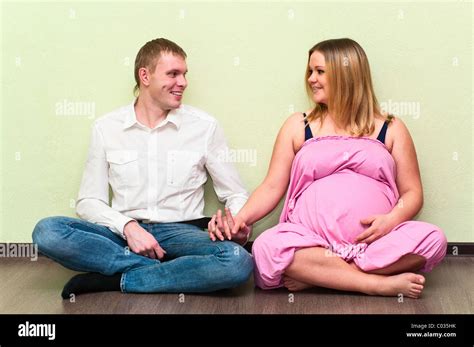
{"x":142,"y":242}
{"x":228,"y":227}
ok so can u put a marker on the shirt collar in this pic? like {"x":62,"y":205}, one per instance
{"x":130,"y":116}
{"x":174,"y":116}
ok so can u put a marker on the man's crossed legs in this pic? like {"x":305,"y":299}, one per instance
{"x":193,"y":263}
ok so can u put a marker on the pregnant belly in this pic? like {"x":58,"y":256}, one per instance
{"x":334,"y":205}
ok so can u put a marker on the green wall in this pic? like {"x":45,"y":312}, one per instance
{"x":246,"y":64}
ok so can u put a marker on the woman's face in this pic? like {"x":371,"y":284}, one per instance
{"x":317,"y":78}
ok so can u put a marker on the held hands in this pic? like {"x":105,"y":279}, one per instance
{"x":380,"y":225}
{"x":227,"y":227}
{"x":142,"y":242}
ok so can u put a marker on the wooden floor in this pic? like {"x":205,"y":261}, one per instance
{"x":34,"y":287}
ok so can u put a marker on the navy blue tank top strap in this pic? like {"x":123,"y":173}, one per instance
{"x":383,"y":131}
{"x":308,"y":134}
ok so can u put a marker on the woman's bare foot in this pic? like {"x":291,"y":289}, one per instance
{"x":294,"y":285}
{"x":408,"y":284}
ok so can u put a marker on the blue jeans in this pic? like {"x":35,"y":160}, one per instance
{"x":193,"y":263}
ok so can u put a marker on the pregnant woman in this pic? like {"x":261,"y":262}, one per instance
{"x":353,"y":186}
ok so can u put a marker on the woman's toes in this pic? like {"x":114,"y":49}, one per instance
{"x":418,"y":287}
{"x":420,"y":279}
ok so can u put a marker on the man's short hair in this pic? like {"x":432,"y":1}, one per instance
{"x":150,"y":53}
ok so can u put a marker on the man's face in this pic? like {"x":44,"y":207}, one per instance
{"x":168,"y":82}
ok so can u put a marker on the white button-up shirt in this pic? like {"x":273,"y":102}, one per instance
{"x":155,"y":175}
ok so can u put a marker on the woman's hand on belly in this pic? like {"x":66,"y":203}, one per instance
{"x":379,"y":226}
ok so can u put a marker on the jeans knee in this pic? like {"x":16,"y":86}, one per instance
{"x":45,"y":232}
{"x":239,"y":265}
{"x":244,"y":266}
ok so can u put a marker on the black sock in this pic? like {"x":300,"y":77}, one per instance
{"x":91,"y":282}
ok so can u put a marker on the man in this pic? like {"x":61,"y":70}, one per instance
{"x":154,"y":154}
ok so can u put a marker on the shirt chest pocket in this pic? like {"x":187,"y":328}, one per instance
{"x":123,"y":168}
{"x":183,"y":168}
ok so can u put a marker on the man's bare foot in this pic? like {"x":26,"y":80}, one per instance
{"x":294,"y":285}
{"x":408,"y":284}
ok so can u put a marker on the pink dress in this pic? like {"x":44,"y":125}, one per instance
{"x":335,"y":182}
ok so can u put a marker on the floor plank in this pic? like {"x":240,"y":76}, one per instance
{"x":35,"y":287}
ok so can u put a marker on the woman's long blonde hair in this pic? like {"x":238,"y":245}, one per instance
{"x":351,"y":98}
